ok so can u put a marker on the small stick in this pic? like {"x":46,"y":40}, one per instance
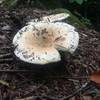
{"x":2,"y":52}
{"x":5,"y":47}
{"x":5,"y":55}
{"x":76,"y":92}
{"x":15,"y":71}
{"x":69,"y":77}
{"x":6,"y":60}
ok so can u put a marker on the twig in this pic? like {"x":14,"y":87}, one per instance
{"x":2,"y":52}
{"x":6,"y":60}
{"x":5,"y":55}
{"x":77,"y":91}
{"x":15,"y":71}
{"x":8,"y":37}
{"x":70,"y":77}
{"x":28,"y":98}
{"x":50,"y":98}
{"x":38,"y":97}
{"x":5,"y":47}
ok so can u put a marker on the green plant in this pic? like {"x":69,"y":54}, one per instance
{"x":84,"y":8}
{"x":72,"y":19}
{"x":77,"y":1}
{"x":10,"y":3}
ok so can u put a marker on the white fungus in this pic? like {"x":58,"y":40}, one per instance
{"x":40,"y":42}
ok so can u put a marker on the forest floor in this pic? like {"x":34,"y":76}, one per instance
{"x":19,"y":83}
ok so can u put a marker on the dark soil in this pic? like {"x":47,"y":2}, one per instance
{"x":17,"y":81}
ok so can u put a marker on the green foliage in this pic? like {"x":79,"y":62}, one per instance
{"x":50,"y":4}
{"x":85,"y":8}
{"x":72,"y":19}
{"x":86,"y":21}
{"x":10,"y":3}
{"x":77,"y":1}
{"x":83,"y":20}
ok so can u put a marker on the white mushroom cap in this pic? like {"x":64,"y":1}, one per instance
{"x":40,"y":43}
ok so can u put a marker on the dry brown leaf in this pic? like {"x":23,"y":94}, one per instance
{"x":95,"y":77}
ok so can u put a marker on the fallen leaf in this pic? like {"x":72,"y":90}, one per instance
{"x":95,"y":77}
{"x":4,"y":83}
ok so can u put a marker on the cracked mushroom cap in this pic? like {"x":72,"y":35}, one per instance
{"x":40,"y":43}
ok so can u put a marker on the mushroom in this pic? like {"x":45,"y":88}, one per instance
{"x":40,"y":42}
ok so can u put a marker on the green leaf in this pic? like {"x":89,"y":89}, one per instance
{"x":71,"y":1}
{"x":79,"y":1}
